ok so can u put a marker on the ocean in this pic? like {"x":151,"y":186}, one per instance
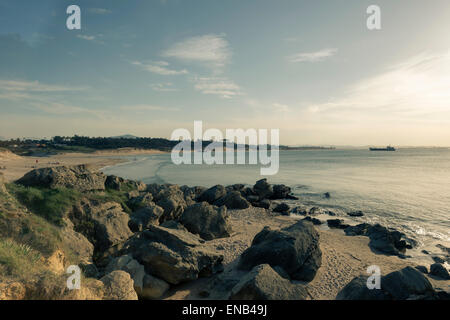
{"x":408,"y":189}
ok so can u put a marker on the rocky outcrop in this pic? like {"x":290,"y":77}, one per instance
{"x":79,"y":177}
{"x":171,"y":199}
{"x":385,"y":240}
{"x":144,"y":217}
{"x":337,"y":224}
{"x":295,"y":249}
{"x":77,"y":243}
{"x":282,"y":208}
{"x":407,"y":283}
{"x":172,"y":255}
{"x":233,"y":200}
{"x":120,"y":184}
{"x":263,"y":189}
{"x":118,"y":285}
{"x":357,"y":213}
{"x":103,"y":224}
{"x":210,"y":222}
{"x":264,"y":283}
{"x":140,"y":200}
{"x":212,"y":194}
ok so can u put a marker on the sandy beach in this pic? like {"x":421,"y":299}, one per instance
{"x":14,"y":167}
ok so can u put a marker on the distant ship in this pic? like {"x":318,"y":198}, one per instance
{"x":388,"y":148}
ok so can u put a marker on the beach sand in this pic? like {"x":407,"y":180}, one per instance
{"x":14,"y":167}
{"x":343,"y":257}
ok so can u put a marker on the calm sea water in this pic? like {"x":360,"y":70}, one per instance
{"x":408,"y":189}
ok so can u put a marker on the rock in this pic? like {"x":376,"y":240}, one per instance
{"x":265,"y":203}
{"x":357,"y":290}
{"x":192,"y":192}
{"x":300,"y":210}
{"x":171,"y":199}
{"x":77,"y":243}
{"x":235,"y":187}
{"x":314,"y":221}
{"x":358,"y":213}
{"x":206,"y":220}
{"x":438,"y":270}
{"x":120,"y":184}
{"x":388,"y":241}
{"x":172,"y":224}
{"x":407,"y":283}
{"x":437,"y":259}
{"x":263,"y":189}
{"x":12,"y":290}
{"x":79,"y":177}
{"x":233,"y":200}
{"x":295,"y":249}
{"x":144,"y":217}
{"x":280,"y":191}
{"x":314,"y":211}
{"x":154,"y":288}
{"x":172,"y":255}
{"x":141,"y":201}
{"x":263,"y":283}
{"x":402,"y":284}
{"x":118,"y":285}
{"x":128,"y":264}
{"x":443,"y":248}
{"x":327,"y":195}
{"x":103,"y":224}
{"x":90,"y":270}
{"x":282,"y":208}
{"x":337,"y":224}
{"x":422,"y":269}
{"x":212,"y":194}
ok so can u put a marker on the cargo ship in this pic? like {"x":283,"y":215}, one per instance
{"x":388,"y":148}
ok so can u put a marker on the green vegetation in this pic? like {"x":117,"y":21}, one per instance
{"x":17,"y":259}
{"x":111,"y":195}
{"x":50,"y":204}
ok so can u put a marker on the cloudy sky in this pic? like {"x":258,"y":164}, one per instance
{"x":310,"y":68}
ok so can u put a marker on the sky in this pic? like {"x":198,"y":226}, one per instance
{"x":311,"y":69}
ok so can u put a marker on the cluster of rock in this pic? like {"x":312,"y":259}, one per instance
{"x":405,"y":284}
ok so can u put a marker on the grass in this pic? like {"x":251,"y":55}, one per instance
{"x":17,"y":259}
{"x":111,"y":195}
{"x":51,"y":204}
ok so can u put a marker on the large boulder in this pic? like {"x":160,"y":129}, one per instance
{"x":77,"y":243}
{"x":264,"y":283}
{"x":140,"y":200}
{"x":120,"y":184}
{"x":146,"y":286}
{"x":79,"y":177}
{"x":210,"y":222}
{"x":407,"y":283}
{"x":212,"y":194}
{"x":382,"y":239}
{"x":295,"y":249}
{"x":118,"y":285}
{"x":171,"y":199}
{"x":144,"y":217}
{"x":103,"y":224}
{"x":172,"y":255}
{"x":280,"y":191}
{"x":263,"y":189}
{"x":233,"y":200}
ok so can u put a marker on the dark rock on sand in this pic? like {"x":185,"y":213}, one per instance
{"x":264,"y":283}
{"x":145,"y":217}
{"x":210,"y":222}
{"x":314,"y":221}
{"x":358,"y":213}
{"x":79,"y":177}
{"x":407,"y":283}
{"x":282,"y":208}
{"x":422,"y":269}
{"x":327,"y":195}
{"x":438,"y":259}
{"x":265,"y":203}
{"x":438,"y":270}
{"x":233,"y":200}
{"x":382,"y":239}
{"x":280,"y":191}
{"x":295,"y":249}
{"x":172,"y":255}
{"x":300,"y":210}
{"x":337,"y":224}
{"x":263,"y":189}
{"x":212,"y":194}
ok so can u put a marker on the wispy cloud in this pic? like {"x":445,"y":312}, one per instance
{"x":159,"y":67}
{"x":418,"y":87}
{"x":211,"y":49}
{"x":86,"y":37}
{"x":34,"y":86}
{"x":313,"y":56}
{"x":101,"y":11}
{"x":217,"y":86}
{"x":146,"y":108}
{"x":163,"y":87}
